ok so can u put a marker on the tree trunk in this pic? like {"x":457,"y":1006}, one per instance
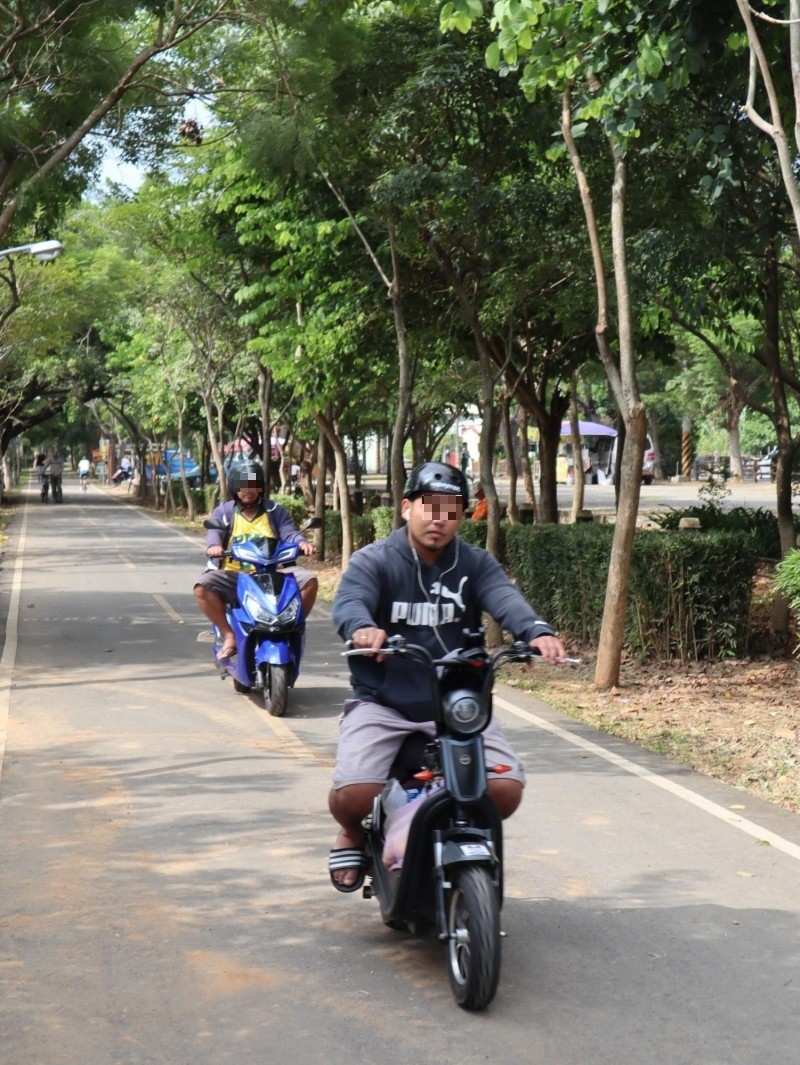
{"x":468,"y":302}
{"x":404,"y":385}
{"x":733,"y":413}
{"x":525,"y":462}
{"x":187,"y":492}
{"x":319,"y":500}
{"x":265,"y":414}
{"x":624,"y":385}
{"x":549,"y":437}
{"x":326,"y":424}
{"x":577,"y":451}
{"x":214,"y":444}
{"x":783,"y":426}
{"x":508,"y":441}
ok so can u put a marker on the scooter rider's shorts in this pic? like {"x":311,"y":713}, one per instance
{"x":370,"y":735}
{"x":222,"y":582}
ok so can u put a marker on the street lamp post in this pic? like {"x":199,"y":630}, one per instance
{"x":43,"y":250}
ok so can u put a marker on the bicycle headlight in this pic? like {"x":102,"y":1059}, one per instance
{"x":465,"y":712}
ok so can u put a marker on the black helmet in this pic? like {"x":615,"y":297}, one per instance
{"x":246,"y":475}
{"x":436,"y":477}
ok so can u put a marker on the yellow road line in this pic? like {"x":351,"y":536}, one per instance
{"x":168,"y":610}
{"x":291,"y":741}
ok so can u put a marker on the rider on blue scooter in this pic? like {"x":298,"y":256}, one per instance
{"x":247,"y":515}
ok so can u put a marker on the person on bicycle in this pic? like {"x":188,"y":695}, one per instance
{"x":84,"y":469}
{"x":425,"y":583}
{"x":247,"y":515}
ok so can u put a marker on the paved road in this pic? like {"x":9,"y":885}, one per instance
{"x":667,"y":494}
{"x":163,"y":895}
{"x":654,"y":497}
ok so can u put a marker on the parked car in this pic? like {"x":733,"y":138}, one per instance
{"x":172,"y":461}
{"x":648,"y":461}
{"x":767,"y":465}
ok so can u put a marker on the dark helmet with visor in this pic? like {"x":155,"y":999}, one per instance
{"x":439,"y":478}
{"x":245,"y":475}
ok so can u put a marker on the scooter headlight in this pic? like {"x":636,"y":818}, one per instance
{"x":289,"y":615}
{"x":465,"y":712}
{"x":264,"y":613}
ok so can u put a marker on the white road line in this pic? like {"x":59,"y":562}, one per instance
{"x":678,"y":790}
{"x":9,"y":657}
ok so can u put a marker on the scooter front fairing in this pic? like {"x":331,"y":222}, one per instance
{"x":268,"y":623}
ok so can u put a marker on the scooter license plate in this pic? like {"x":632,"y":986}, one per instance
{"x":475,"y":850}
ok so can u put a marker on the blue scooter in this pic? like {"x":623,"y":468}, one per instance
{"x":267,"y":620}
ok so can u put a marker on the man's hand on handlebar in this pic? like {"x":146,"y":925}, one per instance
{"x":551,"y":648}
{"x":369,"y":639}
{"x":214,"y":551}
{"x":307,"y":548}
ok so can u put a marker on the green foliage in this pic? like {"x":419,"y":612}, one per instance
{"x":204,"y":499}
{"x":787,"y":579}
{"x":675,"y":610}
{"x":760,"y":525}
{"x":560,"y":569}
{"x":333,"y":533}
{"x":474,"y":532}
{"x":363,"y":532}
{"x":296,"y":507}
{"x":382,"y":521}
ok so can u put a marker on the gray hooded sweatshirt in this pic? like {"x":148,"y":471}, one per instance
{"x":389,"y":587}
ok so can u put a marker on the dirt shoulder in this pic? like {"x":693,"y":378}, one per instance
{"x":736,"y":720}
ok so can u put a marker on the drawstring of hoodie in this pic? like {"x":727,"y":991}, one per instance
{"x":424,"y":590}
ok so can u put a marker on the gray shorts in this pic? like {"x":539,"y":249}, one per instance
{"x":370,"y":736}
{"x":222,"y":582}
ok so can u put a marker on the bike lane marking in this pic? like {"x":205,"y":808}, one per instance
{"x":9,"y":655}
{"x":792,"y":850}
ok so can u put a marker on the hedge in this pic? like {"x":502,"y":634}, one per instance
{"x":363,"y":532}
{"x":298,"y":511}
{"x":678,"y":607}
{"x":761,"y":524}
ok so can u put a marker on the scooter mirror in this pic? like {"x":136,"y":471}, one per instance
{"x":214,"y":523}
{"x":312,"y":523}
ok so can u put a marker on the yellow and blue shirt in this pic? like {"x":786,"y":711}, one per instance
{"x":242,"y":530}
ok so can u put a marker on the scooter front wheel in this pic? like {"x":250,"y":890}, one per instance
{"x":473,"y":925}
{"x":276,"y":692}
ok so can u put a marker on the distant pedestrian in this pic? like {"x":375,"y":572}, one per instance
{"x":465,"y":457}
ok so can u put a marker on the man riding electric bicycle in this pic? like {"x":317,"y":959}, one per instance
{"x":426,"y":584}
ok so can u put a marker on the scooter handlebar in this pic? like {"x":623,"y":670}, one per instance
{"x":397,"y":645}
